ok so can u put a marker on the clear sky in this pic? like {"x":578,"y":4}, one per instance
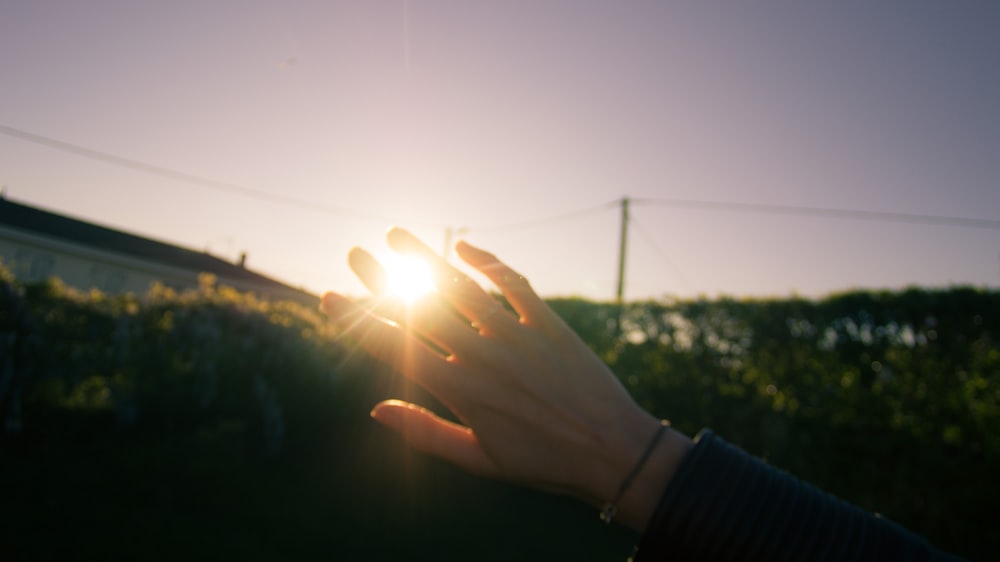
{"x":505,"y":119}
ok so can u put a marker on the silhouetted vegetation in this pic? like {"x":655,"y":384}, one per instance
{"x":211,"y":424}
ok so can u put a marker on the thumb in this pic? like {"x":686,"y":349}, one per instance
{"x":429,"y":433}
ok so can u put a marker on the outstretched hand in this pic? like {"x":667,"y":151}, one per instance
{"x":535,"y":405}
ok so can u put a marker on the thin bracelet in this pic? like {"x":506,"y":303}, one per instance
{"x":611,"y":508}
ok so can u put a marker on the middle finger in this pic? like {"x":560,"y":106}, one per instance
{"x":458,"y":288}
{"x":427,"y":316}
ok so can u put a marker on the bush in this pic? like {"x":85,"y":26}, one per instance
{"x":212,"y":424}
{"x":888,"y":399}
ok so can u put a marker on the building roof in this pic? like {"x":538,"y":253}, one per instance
{"x":75,"y":231}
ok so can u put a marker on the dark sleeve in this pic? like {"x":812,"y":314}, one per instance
{"x":723,"y":504}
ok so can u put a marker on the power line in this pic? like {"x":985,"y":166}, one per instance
{"x":545,"y":221}
{"x":661,"y":253}
{"x":172,"y":174}
{"x":184,"y":176}
{"x":828,"y":212}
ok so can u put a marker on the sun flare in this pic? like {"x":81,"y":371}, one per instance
{"x":407,"y":278}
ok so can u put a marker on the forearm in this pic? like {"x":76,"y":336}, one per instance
{"x":722,"y":504}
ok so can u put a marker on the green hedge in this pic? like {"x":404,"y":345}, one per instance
{"x":211,"y":424}
{"x":888,"y":399}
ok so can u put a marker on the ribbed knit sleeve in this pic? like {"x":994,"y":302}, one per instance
{"x":723,"y":504}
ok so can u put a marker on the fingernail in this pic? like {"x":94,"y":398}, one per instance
{"x":388,"y":417}
{"x":397,"y":235}
{"x":328,"y":302}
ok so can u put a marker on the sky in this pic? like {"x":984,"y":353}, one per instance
{"x":294,"y":130}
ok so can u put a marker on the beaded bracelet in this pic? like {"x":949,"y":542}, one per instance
{"x":611,"y":508}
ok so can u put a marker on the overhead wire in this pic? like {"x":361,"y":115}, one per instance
{"x":827,"y":212}
{"x":195,"y":179}
{"x":745,"y":207}
{"x":661,"y":253}
{"x":545,"y":221}
{"x":169,"y":173}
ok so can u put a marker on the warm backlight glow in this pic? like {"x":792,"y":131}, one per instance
{"x":408,"y":278}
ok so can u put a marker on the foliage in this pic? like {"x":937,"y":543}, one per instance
{"x":224,"y":425}
{"x":888,"y":399}
{"x":214,"y":425}
{"x":167,"y":359}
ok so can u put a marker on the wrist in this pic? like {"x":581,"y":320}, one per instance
{"x":640,"y":499}
{"x":637,"y":502}
{"x":618,"y":452}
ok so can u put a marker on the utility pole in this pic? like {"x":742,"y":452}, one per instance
{"x":449,"y":238}
{"x":621,"y":253}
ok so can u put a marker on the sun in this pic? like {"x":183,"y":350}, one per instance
{"x":407,"y":277}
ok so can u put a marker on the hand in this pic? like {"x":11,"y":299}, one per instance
{"x":536,"y":406}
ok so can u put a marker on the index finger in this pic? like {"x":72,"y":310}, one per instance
{"x":513,"y":285}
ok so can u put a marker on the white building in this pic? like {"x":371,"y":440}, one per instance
{"x":36,"y":244}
